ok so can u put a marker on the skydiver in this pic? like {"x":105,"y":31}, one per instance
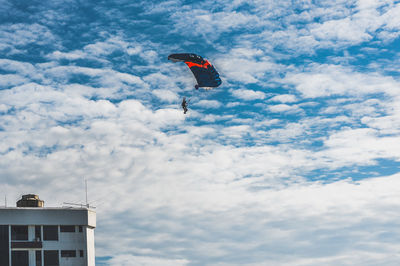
{"x":184,"y":105}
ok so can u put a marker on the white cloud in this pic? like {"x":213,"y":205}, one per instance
{"x":284,"y":98}
{"x":114,"y":82}
{"x":3,"y":108}
{"x":23,"y":69}
{"x":247,"y":95}
{"x":145,"y":261}
{"x":102,"y":48}
{"x":236,"y":131}
{"x":208,"y":104}
{"x":328,"y":80}
{"x":359,"y":146}
{"x":392,"y":22}
{"x":278,"y":108}
{"x":243,"y":69}
{"x":166,"y":95}
{"x":205,"y":23}
{"x":11,"y":80}
{"x":340,"y":30}
{"x":17,"y":36}
{"x":338,"y":25}
{"x":74,"y":55}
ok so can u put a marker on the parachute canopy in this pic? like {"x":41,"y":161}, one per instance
{"x":203,"y":71}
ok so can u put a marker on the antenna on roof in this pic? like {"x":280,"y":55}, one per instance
{"x":87,"y":205}
{"x":5,"y":201}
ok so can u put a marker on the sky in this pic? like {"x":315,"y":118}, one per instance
{"x":293,"y":160}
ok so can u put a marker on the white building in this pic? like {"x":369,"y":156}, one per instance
{"x":37,"y":236}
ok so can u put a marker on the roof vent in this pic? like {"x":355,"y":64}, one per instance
{"x":30,"y":200}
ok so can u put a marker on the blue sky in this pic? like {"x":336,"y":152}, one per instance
{"x":293,"y":160}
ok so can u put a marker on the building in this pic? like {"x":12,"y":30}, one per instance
{"x":32,"y":235}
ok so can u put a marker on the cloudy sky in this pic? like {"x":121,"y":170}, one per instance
{"x":293,"y":160}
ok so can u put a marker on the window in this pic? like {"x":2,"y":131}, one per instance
{"x":19,"y":258}
{"x":38,"y":233}
{"x":51,"y":258}
{"x":38,"y":258}
{"x":67,"y":228}
{"x":68,"y":253}
{"x":80,"y":229}
{"x":81,"y":253}
{"x":19,"y":232}
{"x":50,"y":232}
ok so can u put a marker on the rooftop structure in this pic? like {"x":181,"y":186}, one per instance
{"x":30,"y":200}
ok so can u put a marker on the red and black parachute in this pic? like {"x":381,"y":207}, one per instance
{"x":203,"y":71}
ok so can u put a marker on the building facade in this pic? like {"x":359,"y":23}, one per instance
{"x":38,"y":236}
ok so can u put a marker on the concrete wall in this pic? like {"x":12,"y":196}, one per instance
{"x":90,"y":253}
{"x":47,"y":216}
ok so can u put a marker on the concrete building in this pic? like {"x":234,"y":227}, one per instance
{"x":32,"y":235}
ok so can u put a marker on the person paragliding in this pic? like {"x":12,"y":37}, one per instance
{"x":184,"y":105}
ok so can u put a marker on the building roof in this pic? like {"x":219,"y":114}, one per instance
{"x":48,"y":216}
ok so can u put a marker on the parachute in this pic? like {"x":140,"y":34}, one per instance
{"x":203,"y":71}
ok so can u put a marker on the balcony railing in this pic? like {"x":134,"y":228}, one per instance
{"x":27,"y":244}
